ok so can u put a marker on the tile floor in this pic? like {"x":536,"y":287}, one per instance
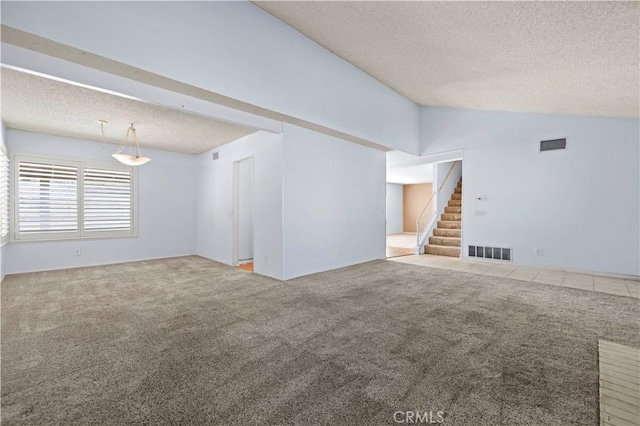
{"x":619,"y":384}
{"x":400,"y":244}
{"x":396,"y":251}
{"x":609,"y":285}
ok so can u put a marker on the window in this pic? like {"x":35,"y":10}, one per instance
{"x":59,"y":199}
{"x":47,"y":199}
{"x":107,"y":200}
{"x":4,"y":197}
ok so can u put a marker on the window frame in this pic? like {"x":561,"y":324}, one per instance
{"x":80,"y":165}
{"x":4,"y":239}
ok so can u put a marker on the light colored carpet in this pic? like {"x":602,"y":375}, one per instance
{"x":190,"y":341}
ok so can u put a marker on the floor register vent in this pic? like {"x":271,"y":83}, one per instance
{"x":497,"y":253}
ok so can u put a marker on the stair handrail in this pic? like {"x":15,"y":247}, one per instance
{"x":421,"y":223}
{"x":448,"y":176}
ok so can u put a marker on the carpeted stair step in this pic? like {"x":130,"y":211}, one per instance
{"x":450,"y":224}
{"x":442,"y":250}
{"x":457,"y":233}
{"x":446,"y":236}
{"x":444,"y":241}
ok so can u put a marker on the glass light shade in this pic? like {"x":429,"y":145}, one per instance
{"x":131,"y":160}
{"x":130,"y":140}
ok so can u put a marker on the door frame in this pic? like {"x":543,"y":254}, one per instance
{"x":236,"y":208}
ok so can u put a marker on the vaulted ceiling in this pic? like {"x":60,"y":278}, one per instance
{"x":546,"y":57}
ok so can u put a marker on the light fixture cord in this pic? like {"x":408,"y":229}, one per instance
{"x":131,"y":139}
{"x":102,"y":132}
{"x":126,"y":141}
{"x":134,"y":140}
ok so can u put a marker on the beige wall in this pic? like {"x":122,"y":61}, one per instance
{"x":415,"y":197}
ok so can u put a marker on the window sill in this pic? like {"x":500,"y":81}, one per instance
{"x":88,"y":237}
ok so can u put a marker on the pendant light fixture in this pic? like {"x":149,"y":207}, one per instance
{"x":134,"y":157}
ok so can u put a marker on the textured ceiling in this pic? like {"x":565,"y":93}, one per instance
{"x":38,"y":104}
{"x":548,"y":57}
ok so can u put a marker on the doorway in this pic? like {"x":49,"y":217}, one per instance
{"x":244,"y":213}
{"x":409,"y":190}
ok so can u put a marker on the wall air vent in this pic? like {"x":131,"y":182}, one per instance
{"x":216,"y":155}
{"x":497,"y":253}
{"x":553,"y":144}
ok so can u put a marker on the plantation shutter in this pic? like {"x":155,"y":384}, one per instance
{"x":107,"y":200}
{"x":4,"y":197}
{"x":47,"y":198}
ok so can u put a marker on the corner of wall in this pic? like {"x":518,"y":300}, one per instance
{"x":215,"y":201}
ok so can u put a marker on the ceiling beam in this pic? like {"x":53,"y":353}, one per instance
{"x":27,"y":51}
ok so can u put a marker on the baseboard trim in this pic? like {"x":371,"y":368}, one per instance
{"x":554,"y":268}
{"x":102,"y":264}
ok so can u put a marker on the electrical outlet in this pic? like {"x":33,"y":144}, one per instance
{"x":537,"y":252}
{"x":78,"y":252}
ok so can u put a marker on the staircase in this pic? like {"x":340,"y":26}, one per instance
{"x":446,"y":236}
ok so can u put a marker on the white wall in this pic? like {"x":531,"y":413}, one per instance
{"x":580,"y":206}
{"x":234,"y":49}
{"x":215,"y":201}
{"x":166,"y":210}
{"x":334,"y":203}
{"x":3,"y":249}
{"x":394,"y":207}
